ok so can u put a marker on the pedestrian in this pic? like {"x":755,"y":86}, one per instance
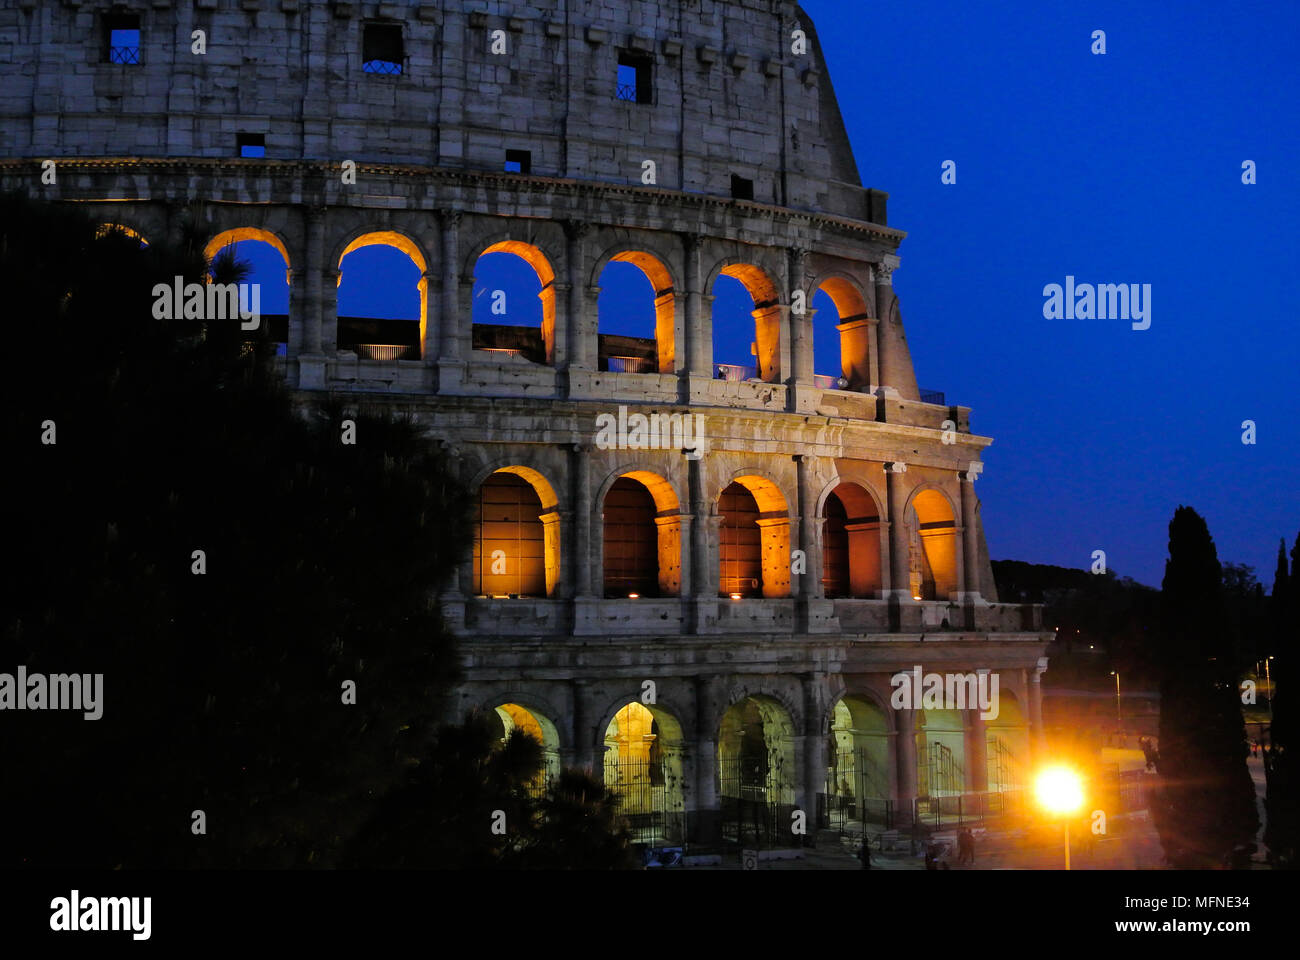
{"x":929,"y":856}
{"x":865,"y":852}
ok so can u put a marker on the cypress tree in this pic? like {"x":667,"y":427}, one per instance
{"x":1205,"y":808}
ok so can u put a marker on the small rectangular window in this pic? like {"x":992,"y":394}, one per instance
{"x":122,"y":38}
{"x":519,"y":161}
{"x":382,"y":51}
{"x":251,"y":144}
{"x":742,"y":188}
{"x":634,"y":78}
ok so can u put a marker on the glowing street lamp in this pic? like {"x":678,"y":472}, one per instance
{"x":1059,"y":790}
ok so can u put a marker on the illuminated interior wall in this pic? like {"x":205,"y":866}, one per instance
{"x":1007,"y":744}
{"x":947,"y":729}
{"x":851,"y":543}
{"x":754,"y":550}
{"x":643,"y":764}
{"x":540,"y":728}
{"x":631,"y":540}
{"x":936,"y":529}
{"x":857,"y":751}
{"x":517,"y":516}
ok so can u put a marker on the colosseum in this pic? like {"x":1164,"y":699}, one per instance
{"x":695,"y":578}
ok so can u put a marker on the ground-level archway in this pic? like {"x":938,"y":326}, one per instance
{"x":756,"y":772}
{"x":859,"y":788}
{"x":643,"y":765}
{"x":508,"y":717}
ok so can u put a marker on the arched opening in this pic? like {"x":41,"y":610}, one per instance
{"x":106,"y":228}
{"x":1007,"y":745}
{"x":636,"y":298}
{"x":517,"y":536}
{"x":858,"y":785}
{"x":642,"y":537}
{"x":643,"y":765}
{"x":940,"y":763}
{"x":266,"y":259}
{"x":383,"y":297}
{"x":514,"y":302}
{"x":933,"y":559}
{"x":746,"y":325}
{"x":851,"y":543}
{"x":756,"y":772}
{"x":842,"y":333}
{"x":754,"y":540}
{"x":510,"y":716}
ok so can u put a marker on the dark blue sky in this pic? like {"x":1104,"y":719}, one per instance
{"x":1122,"y":168}
{"x":1117,"y":168}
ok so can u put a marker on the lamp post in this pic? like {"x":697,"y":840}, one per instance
{"x":1119,"y":713}
{"x":1269,"y":674}
{"x":1059,"y":790}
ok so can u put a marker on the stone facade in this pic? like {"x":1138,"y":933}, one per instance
{"x":726,"y":92}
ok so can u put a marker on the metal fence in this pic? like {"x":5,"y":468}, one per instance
{"x":753,"y":808}
{"x":649,"y":802}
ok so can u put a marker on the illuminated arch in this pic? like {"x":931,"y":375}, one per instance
{"x":767,"y":314}
{"x":106,"y":228}
{"x":933,"y":530}
{"x":642,"y":536}
{"x":512,"y":716}
{"x":851,"y":542}
{"x":517,"y":535}
{"x":854,"y":327}
{"x":227,"y":237}
{"x":754,"y":545}
{"x":756,"y":768}
{"x":404,"y":244}
{"x":642,"y":763}
{"x":665,"y":307}
{"x":541,"y":266}
{"x":859,"y":784}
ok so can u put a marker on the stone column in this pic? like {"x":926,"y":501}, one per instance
{"x":884,"y":300}
{"x":896,"y":499}
{"x":704,"y":826}
{"x":904,"y":726}
{"x":579,"y":346}
{"x":970,"y":538}
{"x":814,"y":748}
{"x":977,"y":764}
{"x":580,"y":547}
{"x":331,"y":276}
{"x":699,"y":323}
{"x":799,"y":377}
{"x":1037,"y":735}
{"x":311,"y":321}
{"x":449,"y":322}
{"x":810,"y":583}
{"x":583,"y":749}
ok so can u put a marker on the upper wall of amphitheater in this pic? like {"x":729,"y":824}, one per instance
{"x":723,"y":94}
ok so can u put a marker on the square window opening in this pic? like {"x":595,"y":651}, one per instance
{"x":122,"y":38}
{"x":742,"y":188}
{"x":634,"y":83}
{"x":519,"y":161}
{"x":251,"y":144}
{"x":382,"y":50}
